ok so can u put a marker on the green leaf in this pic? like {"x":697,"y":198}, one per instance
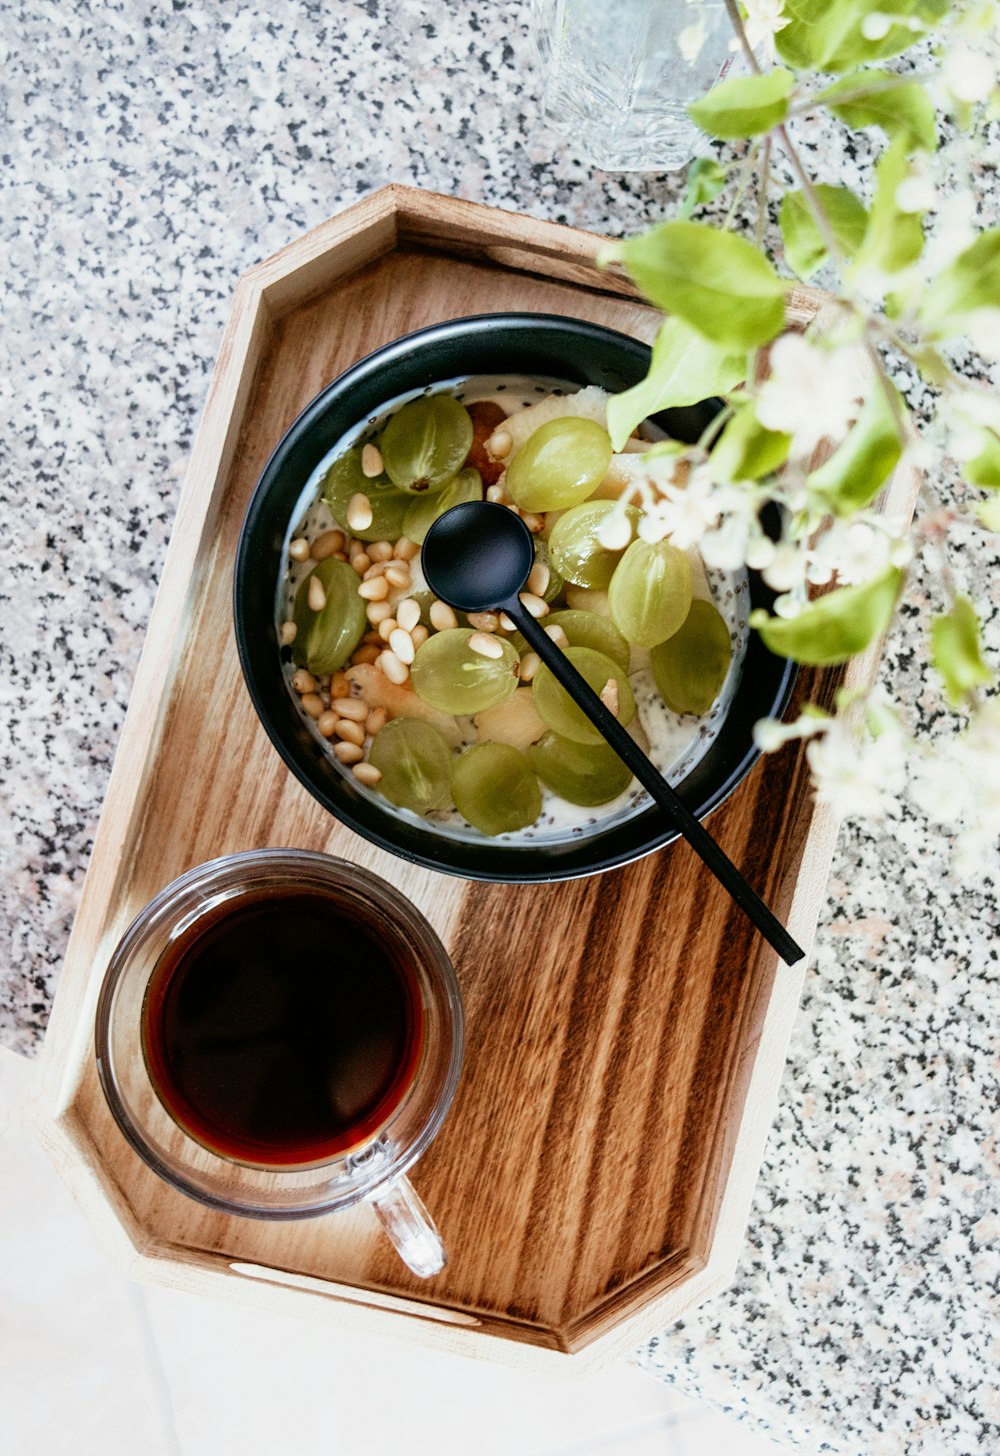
{"x":984,"y":468}
{"x":804,"y":245}
{"x":836,"y":626}
{"x":705,"y":180}
{"x":744,"y":106}
{"x":826,"y":35}
{"x":956,"y":653}
{"x":685,"y":369}
{"x":894,"y":239}
{"x":968,"y":284}
{"x":746,"y":450}
{"x":718,"y":282}
{"x":857,"y":470}
{"x":900,"y":108}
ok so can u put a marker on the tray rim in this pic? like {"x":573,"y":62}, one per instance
{"x":336,"y":248}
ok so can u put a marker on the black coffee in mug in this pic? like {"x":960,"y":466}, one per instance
{"x":282,"y":1028}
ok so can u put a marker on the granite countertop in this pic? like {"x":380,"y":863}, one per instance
{"x":154,"y":154}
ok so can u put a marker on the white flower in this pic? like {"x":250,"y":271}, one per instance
{"x":764,"y":18}
{"x":770,"y":734}
{"x":859,"y":776}
{"x":812,"y":393}
{"x":683,"y":512}
{"x":787,"y":568}
{"x":726,"y":547}
{"x":968,"y":74}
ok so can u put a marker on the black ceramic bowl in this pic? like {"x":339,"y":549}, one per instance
{"x":493,"y":344}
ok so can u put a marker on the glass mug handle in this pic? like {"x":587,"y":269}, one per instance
{"x":409,"y":1227}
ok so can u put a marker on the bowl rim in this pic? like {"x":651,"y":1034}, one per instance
{"x":367,"y":381}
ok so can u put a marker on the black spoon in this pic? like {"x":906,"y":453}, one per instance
{"x":477,"y":558}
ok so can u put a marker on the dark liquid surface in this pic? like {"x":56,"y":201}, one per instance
{"x":281,"y":1030}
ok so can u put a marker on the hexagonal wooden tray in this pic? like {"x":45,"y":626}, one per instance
{"x":626,"y":1033}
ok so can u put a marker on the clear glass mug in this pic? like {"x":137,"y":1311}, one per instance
{"x":369,"y":1162}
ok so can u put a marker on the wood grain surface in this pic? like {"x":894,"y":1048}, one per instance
{"x":625,"y":1032}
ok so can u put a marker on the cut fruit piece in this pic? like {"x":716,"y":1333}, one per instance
{"x":564,"y":716}
{"x":325,"y":639}
{"x":582,"y":773}
{"x":514,"y":721}
{"x":426,"y":442}
{"x":559,"y":465}
{"x":414,"y":759}
{"x":400,"y":702}
{"x":650,"y":592}
{"x":691,"y":666}
{"x":495,"y":788}
{"x":450,"y":675}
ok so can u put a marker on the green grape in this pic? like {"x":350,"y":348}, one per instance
{"x":426,"y":442}
{"x":324,"y":640}
{"x":451,"y":677}
{"x":561,"y":464}
{"x":587,"y":629}
{"x":575,"y":548}
{"x":691,"y":666}
{"x":414,"y":759}
{"x":495,"y":788}
{"x":650,"y":592}
{"x":556,"y":582}
{"x":346,"y":479}
{"x":424,"y":511}
{"x":557,"y":709}
{"x":582,"y":773}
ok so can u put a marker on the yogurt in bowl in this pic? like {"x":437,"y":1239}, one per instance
{"x":512,"y":361}
{"x":506,"y":412}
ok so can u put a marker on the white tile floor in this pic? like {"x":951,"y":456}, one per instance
{"x":92,"y":1365}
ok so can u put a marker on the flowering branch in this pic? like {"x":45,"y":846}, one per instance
{"x":910,"y":284}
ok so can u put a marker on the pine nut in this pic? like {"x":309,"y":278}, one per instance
{"x":530,"y":663}
{"x":406,"y":549}
{"x":375,"y":590}
{"x":401,"y":643}
{"x":535,"y":605}
{"x":348,"y":752}
{"x":484,"y":621}
{"x":326,"y":722}
{"x":353,"y":708}
{"x":397,"y":672}
{"x":399,"y":577}
{"x":539,"y":578}
{"x":375,"y":721}
{"x":386,"y":629}
{"x":359,"y":511}
{"x":506,"y":623}
{"x":609,"y":695}
{"x":361,"y":562}
{"x":316,"y":595}
{"x":327,"y":544}
{"x":558,"y":635}
{"x":496,"y":494}
{"x":313,"y":704}
{"x":380,"y":551}
{"x":350,"y":732}
{"x":356,"y":548}
{"x":377,"y":612}
{"x":367,"y":774}
{"x":442,"y":617}
{"x":371,"y":463}
{"x":340,"y":556}
{"x":377,"y":568}
{"x":485,"y":645}
{"x":419,"y":634}
{"x":287,"y":634}
{"x":373,"y":636}
{"x":408,"y":614}
{"x":534,"y":523}
{"x":298,"y":549}
{"x":303,"y":681}
{"x":365,"y":654}
{"x":499,"y":444}
{"x":340,"y":685}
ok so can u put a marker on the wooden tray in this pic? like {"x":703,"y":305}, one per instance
{"x":625,"y":1033}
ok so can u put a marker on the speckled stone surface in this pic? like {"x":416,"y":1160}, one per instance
{"x":151,"y":154}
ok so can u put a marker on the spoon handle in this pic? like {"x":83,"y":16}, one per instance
{"x":656,"y":785}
